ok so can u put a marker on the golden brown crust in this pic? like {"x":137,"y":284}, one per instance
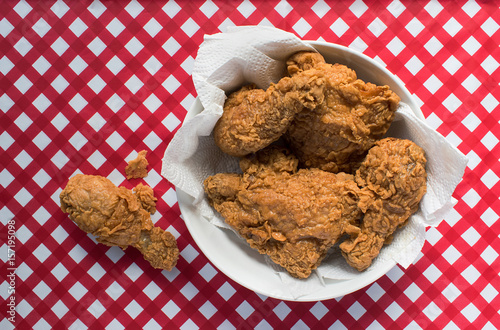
{"x":138,"y":167}
{"x":116,"y":216}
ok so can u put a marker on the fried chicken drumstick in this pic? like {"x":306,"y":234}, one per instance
{"x":292,"y":216}
{"x":117,"y":216}
{"x":393,"y":181}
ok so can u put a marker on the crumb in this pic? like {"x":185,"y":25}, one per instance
{"x":137,"y":168}
{"x":146,"y":196}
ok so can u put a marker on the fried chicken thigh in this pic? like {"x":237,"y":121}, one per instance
{"x":351,"y":116}
{"x":117,"y":216}
{"x":292,"y":216}
{"x":393,"y":181}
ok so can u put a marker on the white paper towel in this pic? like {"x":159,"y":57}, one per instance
{"x":226,"y":61}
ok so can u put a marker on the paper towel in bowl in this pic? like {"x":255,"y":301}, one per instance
{"x":225,"y":62}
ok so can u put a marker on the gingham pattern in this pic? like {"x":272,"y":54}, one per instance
{"x":86,"y":85}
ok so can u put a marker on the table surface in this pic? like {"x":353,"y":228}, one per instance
{"x":86,"y":85}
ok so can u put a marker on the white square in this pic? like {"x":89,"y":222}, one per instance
{"x":115,"y":65}
{"x":59,"y":309}
{"x":471,"y":236}
{"x":414,"y":65}
{"x":171,"y":84}
{"x":22,"y":8}
{"x":59,"y":84}
{"x":452,"y":27}
{"x":209,"y":8}
{"x":78,"y":65}
{"x":208,"y":272}
{"x":302,"y":27}
{"x":41,"y":27}
{"x":433,"y":84}
{"x":6,"y":103}
{"x":490,"y":26}
{"x":283,"y":8}
{"x":23,"y":159}
{"x":413,"y":292}
{"x":433,"y":120}
{"x":152,"y":103}
{"x":471,"y":121}
{"x":134,"y":8}
{"x":489,"y":103}
{"x":489,"y":141}
{"x":115,"y":27}
{"x":77,"y":253}
{"x":432,"y":273}
{"x":153,"y":65}
{"x":171,"y":122}
{"x":153,"y":27}
{"x":188,"y":101}
{"x":471,"y":8}
{"x":42,"y":253}
{"x":454,"y":139}
{"x":171,"y":46}
{"x":396,"y":8}
{"x":5,"y":65}
{"x":451,"y":255}
{"x":433,"y":46}
{"x":97,"y":84}
{"x":452,"y":103}
{"x":59,"y":235}
{"x":225,"y":24}
{"x":358,"y":44}
{"x":170,"y":197}
{"x":320,"y":8}
{"x":115,"y":254}
{"x":319,"y":310}
{"x":356,"y":310}
{"x":471,"y":274}
{"x":490,"y":65}
{"x":432,"y":311}
{"x":23,"y":234}
{"x":115,"y":103}
{"x":96,"y":46}
{"x":59,"y":46}
{"x":395,"y":46}
{"x":246,"y":8}
{"x":171,"y":8}
{"x":471,"y":45}
{"x":41,"y":215}
{"x":23,"y":122}
{"x":134,"y":122}
{"x":24,"y":271}
{"x":96,"y":122}
{"x":358,"y":8}
{"x":41,"y":65}
{"x":42,"y":290}
{"x":489,"y":179}
{"x":5,"y":27}
{"x":226,"y":291}
{"x":115,"y":290}
{"x":24,"y":308}
{"x":190,"y":27}
{"x":471,"y":312}
{"x":59,"y":8}
{"x":208,"y":310}
{"x":152,"y":140}
{"x":5,"y":140}
{"x":6,"y":178}
{"x":489,"y":217}
{"x":96,"y":309}
{"x":42,"y":141}
{"x":189,"y":253}
{"x":134,"y":46}
{"x":78,"y":102}
{"x":134,"y":84}
{"x":489,"y":293}
{"x":394,"y":311}
{"x":96,"y":159}
{"x":115,"y":140}
{"x":377,"y":27}
{"x":59,"y":122}
{"x":23,"y":46}
{"x":170,"y":309}
{"x":96,"y":272}
{"x":152,"y":290}
{"x":451,"y":292}
{"x":452,"y":65}
{"x":133,"y":309}
{"x":414,"y":27}
{"x":23,"y":84}
{"x":96,"y":8}
{"x":23,"y":197}
{"x":78,"y":27}
{"x":113,"y":325}
{"x":133,"y":272}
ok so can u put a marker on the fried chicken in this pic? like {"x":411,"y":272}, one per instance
{"x":292,"y":216}
{"x":352,"y":115}
{"x":138,"y":167}
{"x":393,"y":181}
{"x":116,"y":216}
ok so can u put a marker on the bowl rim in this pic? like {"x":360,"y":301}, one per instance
{"x":345,"y":286}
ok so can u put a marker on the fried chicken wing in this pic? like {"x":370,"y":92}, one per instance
{"x":393,"y":181}
{"x":352,"y":115}
{"x":138,"y":167}
{"x":116,"y":216}
{"x":292,"y":216}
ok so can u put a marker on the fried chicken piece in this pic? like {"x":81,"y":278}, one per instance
{"x":146,"y":196}
{"x":292,"y":216}
{"x":254,"y":118}
{"x":351,"y":116}
{"x":116,"y":216}
{"x":138,"y":167}
{"x":393,"y":181}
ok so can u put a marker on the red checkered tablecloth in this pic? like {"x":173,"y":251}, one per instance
{"x":86,"y":85}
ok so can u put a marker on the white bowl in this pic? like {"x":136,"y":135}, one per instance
{"x":232,"y":255}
